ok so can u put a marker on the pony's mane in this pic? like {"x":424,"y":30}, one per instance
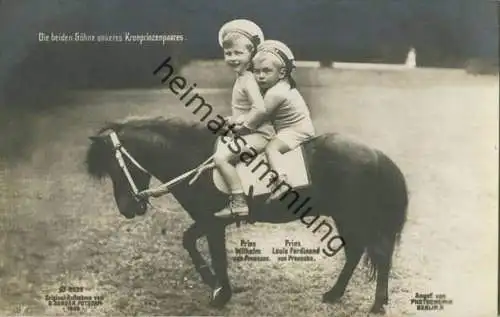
{"x":149,"y":129}
{"x":164,"y":126}
{"x":170,"y":128}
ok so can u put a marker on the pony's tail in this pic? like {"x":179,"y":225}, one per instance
{"x":389,"y":216}
{"x":380,"y":253}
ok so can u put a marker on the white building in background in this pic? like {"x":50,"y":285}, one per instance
{"x":411,"y":58}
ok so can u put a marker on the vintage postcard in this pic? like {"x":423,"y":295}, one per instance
{"x":264,"y":158}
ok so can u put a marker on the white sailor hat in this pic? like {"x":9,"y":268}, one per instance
{"x":280,"y":50}
{"x":244,"y":27}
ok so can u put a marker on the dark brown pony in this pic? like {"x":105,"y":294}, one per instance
{"x":360,"y":188}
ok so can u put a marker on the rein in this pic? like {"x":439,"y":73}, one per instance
{"x":120,"y":150}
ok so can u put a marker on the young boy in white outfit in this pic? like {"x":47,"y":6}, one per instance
{"x":289,"y":113}
{"x":239,"y":40}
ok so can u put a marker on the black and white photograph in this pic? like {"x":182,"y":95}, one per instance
{"x":249,"y":158}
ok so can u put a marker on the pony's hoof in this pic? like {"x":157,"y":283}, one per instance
{"x":378,"y":309}
{"x":331,"y":297}
{"x":219,"y":297}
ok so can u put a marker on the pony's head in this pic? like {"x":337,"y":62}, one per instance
{"x":102,"y":162}
{"x":162,"y":146}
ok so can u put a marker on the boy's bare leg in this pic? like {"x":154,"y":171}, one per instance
{"x":224,"y":160}
{"x":274,"y":150}
{"x":229,"y":173}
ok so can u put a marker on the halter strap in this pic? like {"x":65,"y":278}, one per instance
{"x":119,"y":147}
{"x":118,"y":154}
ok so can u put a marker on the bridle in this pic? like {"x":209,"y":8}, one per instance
{"x":121,"y":151}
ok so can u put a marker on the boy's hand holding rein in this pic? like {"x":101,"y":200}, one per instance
{"x":242,"y":129}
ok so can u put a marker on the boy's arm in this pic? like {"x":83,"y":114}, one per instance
{"x":259,"y":112}
{"x":272,"y":99}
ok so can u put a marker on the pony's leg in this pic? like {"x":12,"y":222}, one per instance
{"x":353,"y":253}
{"x":381,"y":255}
{"x":381,"y":292}
{"x":222,"y":293}
{"x":190,"y":236}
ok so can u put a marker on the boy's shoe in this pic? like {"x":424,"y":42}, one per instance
{"x":237,"y":207}
{"x":276,"y":190}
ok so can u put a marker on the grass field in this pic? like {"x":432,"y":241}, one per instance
{"x":59,"y":227}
